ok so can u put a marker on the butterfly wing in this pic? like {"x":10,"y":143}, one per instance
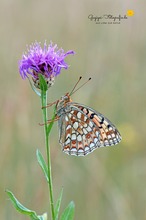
{"x":82,"y":130}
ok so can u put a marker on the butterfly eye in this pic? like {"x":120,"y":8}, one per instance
{"x":65,"y":98}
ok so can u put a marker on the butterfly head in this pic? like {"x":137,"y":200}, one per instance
{"x":61,"y":103}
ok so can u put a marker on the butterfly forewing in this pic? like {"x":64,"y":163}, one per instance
{"x":82,"y":130}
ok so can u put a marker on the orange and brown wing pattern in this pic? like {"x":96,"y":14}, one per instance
{"x":82,"y":130}
{"x":78,"y":135}
{"x":109,"y":135}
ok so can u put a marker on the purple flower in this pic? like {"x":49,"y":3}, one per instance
{"x":47,"y":61}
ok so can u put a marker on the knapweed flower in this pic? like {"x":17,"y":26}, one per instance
{"x":47,"y":61}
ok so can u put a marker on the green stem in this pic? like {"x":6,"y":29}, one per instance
{"x":50,"y":185}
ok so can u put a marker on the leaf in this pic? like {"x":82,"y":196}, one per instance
{"x":42,"y":164}
{"x":43,"y":84}
{"x":68,"y":213}
{"x":52,"y":122}
{"x":20,"y":208}
{"x":34,"y":89}
{"x":58,"y":203}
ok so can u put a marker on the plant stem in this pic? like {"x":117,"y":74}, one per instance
{"x":50,"y":185}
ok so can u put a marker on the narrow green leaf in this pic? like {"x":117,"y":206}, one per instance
{"x":68,"y":213}
{"x":19,"y":207}
{"x":34,"y":89}
{"x":52,"y":122}
{"x":43,"y":84}
{"x":58,"y":203}
{"x":42,"y":164}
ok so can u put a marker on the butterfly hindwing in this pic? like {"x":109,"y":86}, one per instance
{"x":82,"y":130}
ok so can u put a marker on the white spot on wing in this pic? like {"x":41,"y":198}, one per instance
{"x":79,"y":114}
{"x":67,"y":149}
{"x":95,"y":140}
{"x":97,"y":133}
{"x":110,"y":128}
{"x":80,"y":151}
{"x":111,"y":141}
{"x":87,"y":148}
{"x":106,"y":142}
{"x":113,"y":135}
{"x":85,"y":131}
{"x":79,"y":138}
{"x":73,"y":150}
{"x":73,"y":137}
{"x":83,"y":136}
{"x":67,"y":141}
{"x":68,"y":127}
{"x":92,"y":145}
{"x":75,"y":125}
{"x":90,"y":124}
{"x":85,"y":118}
{"x":68,"y":135}
{"x":106,"y":123}
{"x":88,"y":129}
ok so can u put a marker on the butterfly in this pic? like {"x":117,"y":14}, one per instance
{"x":82,"y":129}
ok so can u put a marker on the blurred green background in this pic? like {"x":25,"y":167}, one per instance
{"x":111,"y":182}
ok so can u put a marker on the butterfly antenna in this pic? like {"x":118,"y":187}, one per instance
{"x":73,"y":91}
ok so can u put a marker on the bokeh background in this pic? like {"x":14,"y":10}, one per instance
{"x":111,"y":182}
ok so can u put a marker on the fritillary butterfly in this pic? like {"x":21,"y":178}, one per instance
{"x":82,"y":129}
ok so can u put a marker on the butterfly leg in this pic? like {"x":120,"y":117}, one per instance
{"x":49,"y":121}
{"x":49,"y":105}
